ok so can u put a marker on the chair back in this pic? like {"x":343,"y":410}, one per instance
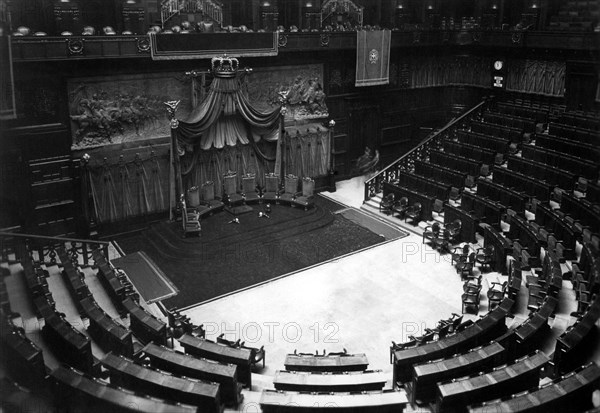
{"x":229,"y":183}
{"x":435,"y":228}
{"x":291,"y":184}
{"x":249,"y":183}
{"x":208,"y":191}
{"x":417,"y":207}
{"x":271,"y":182}
{"x":308,"y":186}
{"x":403,"y":201}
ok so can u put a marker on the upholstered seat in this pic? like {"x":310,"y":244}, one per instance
{"x":190,"y":219}
{"x":249,"y":191}
{"x":290,"y":189}
{"x":271,"y":192}
{"x":230,"y":192}
{"x":208,"y":202}
{"x":307,"y":199}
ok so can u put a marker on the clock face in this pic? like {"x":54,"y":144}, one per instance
{"x":498,"y":64}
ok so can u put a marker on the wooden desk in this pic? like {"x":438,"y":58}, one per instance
{"x":127,"y":374}
{"x":571,"y":394}
{"x":145,"y":326}
{"x":469,"y":222}
{"x":197,"y":368}
{"x":105,"y":331}
{"x":326,"y":382}
{"x":241,"y":357}
{"x":75,"y":390}
{"x":387,"y":401}
{"x":336,"y":363}
{"x":480,"y":332}
{"x":426,"y":375}
{"x":523,"y":374}
{"x":502,"y":246}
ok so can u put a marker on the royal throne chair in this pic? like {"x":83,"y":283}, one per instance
{"x":249,"y":188}
{"x":271,"y":193}
{"x":190,"y":219}
{"x":307,"y":199}
{"x":230,"y":194}
{"x":290,"y":189}
{"x":208,"y":202}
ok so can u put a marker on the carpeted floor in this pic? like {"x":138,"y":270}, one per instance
{"x":253,"y":251}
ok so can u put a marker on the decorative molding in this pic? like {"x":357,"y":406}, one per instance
{"x":416,"y":37}
{"x":517,"y":37}
{"x":75,"y":46}
{"x":282,"y":40}
{"x":143,"y":44}
{"x":324,"y":40}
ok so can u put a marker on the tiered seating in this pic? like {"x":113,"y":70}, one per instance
{"x":67,"y":344}
{"x":522,"y":374}
{"x":197,"y":368}
{"x":476,"y":153}
{"x":575,"y":341}
{"x":542,"y":172}
{"x":84,"y":393}
{"x":581,"y":210}
{"x":572,"y":392}
{"x":413,"y":197}
{"x":105,"y":331}
{"x":441,"y":174}
{"x":144,"y":325}
{"x":500,"y":131}
{"x":427,"y":186}
{"x":485,"y":209}
{"x":498,"y":145}
{"x":574,"y":133}
{"x":583,"y":150}
{"x":502,"y":246}
{"x":456,"y":163}
{"x":241,"y":357}
{"x":426,"y":375}
{"x":23,"y":359}
{"x":539,"y":114}
{"x":107,"y":276}
{"x":507,"y":197}
{"x":74,"y":278}
{"x":562,"y":231}
{"x":524,"y":183}
{"x":469,"y":222}
{"x":125,"y":373}
{"x":521,"y":230}
{"x":561,"y":160}
{"x":526,"y":125}
{"x":580,"y":120}
{"x":480,"y":332}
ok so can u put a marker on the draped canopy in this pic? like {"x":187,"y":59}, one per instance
{"x":226,"y":117}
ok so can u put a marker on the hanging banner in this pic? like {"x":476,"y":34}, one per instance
{"x":373,"y":57}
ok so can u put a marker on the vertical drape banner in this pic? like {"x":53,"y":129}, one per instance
{"x":373,"y":57}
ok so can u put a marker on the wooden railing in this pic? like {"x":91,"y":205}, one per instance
{"x":406,"y":162}
{"x":210,"y":8}
{"x":43,"y":249}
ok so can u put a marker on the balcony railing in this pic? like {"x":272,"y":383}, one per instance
{"x":43,"y":249}
{"x":406,"y":162}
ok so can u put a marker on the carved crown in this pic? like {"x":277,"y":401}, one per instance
{"x":224,"y":66}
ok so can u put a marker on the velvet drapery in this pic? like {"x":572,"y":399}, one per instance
{"x":128,"y":188}
{"x":306,"y":151}
{"x":226,"y":133}
{"x":537,"y":76}
{"x":226,"y":117}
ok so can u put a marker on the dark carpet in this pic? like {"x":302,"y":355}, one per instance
{"x":229,"y":256}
